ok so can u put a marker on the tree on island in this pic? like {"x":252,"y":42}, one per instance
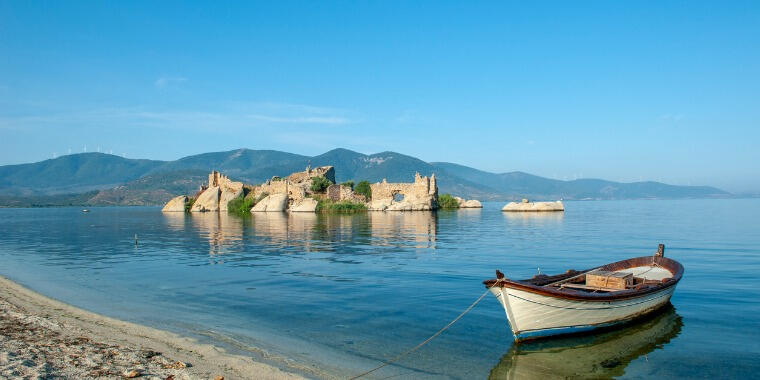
{"x":319,"y":184}
{"x":363,"y":188}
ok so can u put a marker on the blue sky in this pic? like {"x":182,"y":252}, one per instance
{"x":625,"y":91}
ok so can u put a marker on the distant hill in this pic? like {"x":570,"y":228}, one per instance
{"x":103,"y":179}
{"x":517,"y":184}
{"x":72,"y":174}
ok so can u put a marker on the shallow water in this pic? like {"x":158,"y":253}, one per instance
{"x":337,"y":294}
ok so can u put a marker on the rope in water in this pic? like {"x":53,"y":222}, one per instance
{"x":424,"y":342}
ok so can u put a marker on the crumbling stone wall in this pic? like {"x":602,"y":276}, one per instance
{"x":216,"y":179}
{"x":296,"y":185}
{"x":421,"y":188}
{"x":220,"y":190}
{"x":343,"y":193}
{"x":271,"y":186}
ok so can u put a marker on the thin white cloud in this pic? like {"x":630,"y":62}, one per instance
{"x":217,"y":118}
{"x":164,"y":82}
{"x":302,"y":119}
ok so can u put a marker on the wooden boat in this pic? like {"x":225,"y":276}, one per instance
{"x":579,"y":301}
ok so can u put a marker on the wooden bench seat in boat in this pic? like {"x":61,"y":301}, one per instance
{"x":589,"y":287}
{"x":609,"y":279}
{"x":637,"y":283}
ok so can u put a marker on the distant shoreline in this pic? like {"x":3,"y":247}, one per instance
{"x":51,"y":338}
{"x":4,"y":206}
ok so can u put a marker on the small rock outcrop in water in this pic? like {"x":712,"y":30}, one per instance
{"x":176,"y":204}
{"x":472,"y":203}
{"x":272,"y":203}
{"x":527,"y":206}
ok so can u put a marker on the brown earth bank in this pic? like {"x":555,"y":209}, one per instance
{"x":41,"y":338}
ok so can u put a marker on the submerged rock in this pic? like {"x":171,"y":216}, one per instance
{"x":176,"y":204}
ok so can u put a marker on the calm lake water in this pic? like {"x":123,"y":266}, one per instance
{"x":334,"y":295}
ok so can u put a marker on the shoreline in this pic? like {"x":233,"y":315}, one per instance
{"x":40,"y":337}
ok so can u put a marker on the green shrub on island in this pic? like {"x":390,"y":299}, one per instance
{"x":349,"y":184}
{"x":446,"y":201}
{"x":241,"y":205}
{"x":189,"y":203}
{"x":343,"y":207}
{"x":363,"y":188}
{"x":319,"y":184}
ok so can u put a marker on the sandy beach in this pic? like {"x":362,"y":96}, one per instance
{"x":44,"y":338}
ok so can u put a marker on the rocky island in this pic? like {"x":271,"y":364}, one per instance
{"x":528,"y":206}
{"x":314,"y":190}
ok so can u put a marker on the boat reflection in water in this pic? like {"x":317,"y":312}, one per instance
{"x":598,"y":356}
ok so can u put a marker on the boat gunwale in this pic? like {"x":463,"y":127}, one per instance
{"x":532,"y":285}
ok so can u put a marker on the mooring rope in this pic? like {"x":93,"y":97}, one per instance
{"x":424,"y":342}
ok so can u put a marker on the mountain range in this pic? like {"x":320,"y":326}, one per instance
{"x":104,"y":179}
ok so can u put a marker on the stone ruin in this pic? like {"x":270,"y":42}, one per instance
{"x":339,"y":193}
{"x":294,"y":193}
{"x":218,"y":193}
{"x":296,"y":186}
{"x":420,"y":195}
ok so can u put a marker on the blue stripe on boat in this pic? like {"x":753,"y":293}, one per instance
{"x":563,"y":330}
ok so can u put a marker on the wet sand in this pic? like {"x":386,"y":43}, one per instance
{"x":44,"y":338}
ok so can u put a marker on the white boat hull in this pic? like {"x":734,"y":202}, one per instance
{"x":532,"y":315}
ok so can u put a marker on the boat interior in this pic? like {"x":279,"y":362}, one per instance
{"x":615,"y":280}
{"x":633,"y":274}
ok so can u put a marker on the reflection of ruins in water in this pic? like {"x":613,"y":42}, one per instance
{"x":308,"y":231}
{"x":278,"y":229}
{"x":219,"y":228}
{"x":534,"y":218}
{"x":599,"y":356}
{"x":394,"y":228}
{"x":175,"y":221}
{"x":316,"y":232}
